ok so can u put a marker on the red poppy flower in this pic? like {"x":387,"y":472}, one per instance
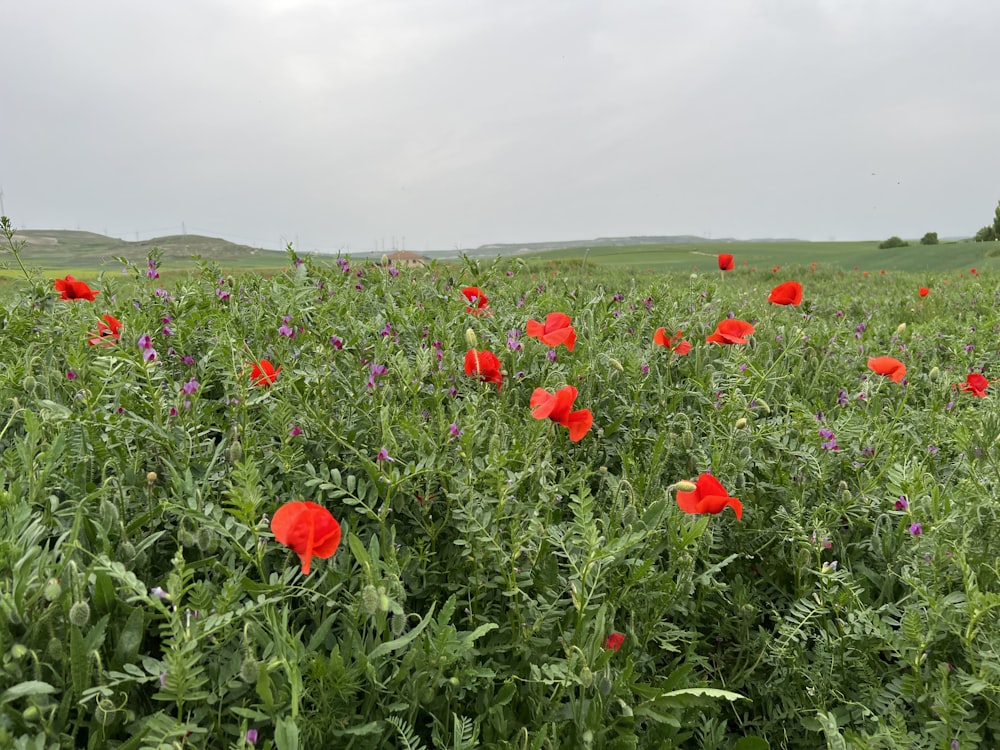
{"x":726,"y":262}
{"x":485,"y":364}
{"x":614,"y":641}
{"x":789,"y":293}
{"x":478,"y":300}
{"x":556,"y":406}
{"x":709,"y":496}
{"x":675,"y":344}
{"x":730,"y":331}
{"x":924,"y":291}
{"x":973,"y":271}
{"x":891,"y":367}
{"x":975,"y":384}
{"x":775,"y":269}
{"x":309,"y":529}
{"x":263,"y":373}
{"x":109,"y":330}
{"x":556,"y":330}
{"x":73,"y":289}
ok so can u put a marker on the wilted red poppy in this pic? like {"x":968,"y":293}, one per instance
{"x":109,"y":330}
{"x":730,"y":331}
{"x":485,"y":364}
{"x":556,"y":406}
{"x":263,"y":373}
{"x":556,"y":330}
{"x":975,"y":384}
{"x":891,"y":367}
{"x":924,"y":291}
{"x":674,"y":344}
{"x":479,"y":302}
{"x":709,"y":496}
{"x":309,"y":529}
{"x":789,"y":293}
{"x":726,"y":262}
{"x":614,"y":641}
{"x":73,"y":289}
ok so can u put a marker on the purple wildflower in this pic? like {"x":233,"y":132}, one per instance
{"x":70,"y":375}
{"x":916,"y":529}
{"x":383,"y":455}
{"x":191,"y":386}
{"x":902,"y":503}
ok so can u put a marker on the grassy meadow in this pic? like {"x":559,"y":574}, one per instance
{"x":490,"y":581}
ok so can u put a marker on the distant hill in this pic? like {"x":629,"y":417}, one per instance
{"x":66,"y":248}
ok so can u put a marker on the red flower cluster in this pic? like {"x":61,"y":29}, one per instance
{"x":730,"y":331}
{"x":674,"y":344}
{"x":556,"y":406}
{"x":556,"y":330}
{"x":614,"y":641}
{"x":73,"y":289}
{"x":309,"y":529}
{"x":485,"y":364}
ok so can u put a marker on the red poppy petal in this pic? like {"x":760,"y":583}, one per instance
{"x":542,"y":403}
{"x":556,"y":320}
{"x":579,"y":424}
{"x":689,"y":503}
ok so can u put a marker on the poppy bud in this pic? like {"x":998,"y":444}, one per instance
{"x":150,"y":477}
{"x":604,"y":686}
{"x":684,"y":486}
{"x":385,"y":259}
{"x":249,"y":670}
{"x":18,"y":651}
{"x":745,"y":453}
{"x":741,"y":423}
{"x":586,"y":676}
{"x":235,"y":453}
{"x":55,"y":650}
{"x":687,"y":440}
{"x":383,"y":600}
{"x":369,"y":599}
{"x":934,"y":373}
{"x":108,"y":513}
{"x":52,"y":590}
{"x":29,"y":383}
{"x":616,"y":364}
{"x":397,"y":624}
{"x":900,"y":328}
{"x":31,"y":714}
{"x":470,"y":338}
{"x":126,"y":552}
{"x":763,"y":406}
{"x":629,"y":515}
{"x":105,"y":711}
{"x":79,"y":614}
{"x":845,"y":497}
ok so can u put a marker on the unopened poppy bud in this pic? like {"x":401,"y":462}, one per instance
{"x":741,"y":423}
{"x":470,"y":338}
{"x":18,"y":651}
{"x":629,"y":515}
{"x":685,"y":486}
{"x":604,"y":685}
{"x":383,"y":600}
{"x":842,"y":486}
{"x":687,"y":440}
{"x":369,"y":599}
{"x":900,"y":328}
{"x":845,"y":496}
{"x":397,"y":624}
{"x":29,"y":383}
{"x":616,"y":364}
{"x":745,"y":453}
{"x":586,"y":676}
{"x":55,"y":650}
{"x":126,"y":552}
{"x":235,"y":453}
{"x":52,"y":590}
{"x":150,"y":477}
{"x":764,"y":407}
{"x":108,"y":513}
{"x":385,"y":259}
{"x":934,"y":373}
{"x":79,"y":614}
{"x":31,"y":714}
{"x":249,"y":670}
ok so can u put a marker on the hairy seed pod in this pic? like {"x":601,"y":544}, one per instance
{"x":934,"y":373}
{"x":369,"y":599}
{"x":235,"y":452}
{"x":79,"y":614}
{"x":52,"y":590}
{"x":249,"y":670}
{"x":55,"y":650}
{"x":29,"y":383}
{"x":687,"y":440}
{"x":586,"y":676}
{"x":741,"y":423}
{"x":398,"y":624}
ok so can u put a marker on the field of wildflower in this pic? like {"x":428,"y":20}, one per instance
{"x":499,"y":505}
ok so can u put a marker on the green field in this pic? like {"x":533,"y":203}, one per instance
{"x":494,"y":579}
{"x":701,"y":257}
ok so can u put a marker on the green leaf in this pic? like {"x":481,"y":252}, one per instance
{"x":25,"y":689}
{"x":286,"y":734}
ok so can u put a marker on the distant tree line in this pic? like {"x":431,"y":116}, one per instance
{"x":991,"y":232}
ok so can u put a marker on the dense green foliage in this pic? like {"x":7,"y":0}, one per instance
{"x":895,"y":242}
{"x":486,"y":561}
{"x":931,"y":238}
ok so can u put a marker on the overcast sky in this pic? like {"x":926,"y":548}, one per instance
{"x":455,"y":123}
